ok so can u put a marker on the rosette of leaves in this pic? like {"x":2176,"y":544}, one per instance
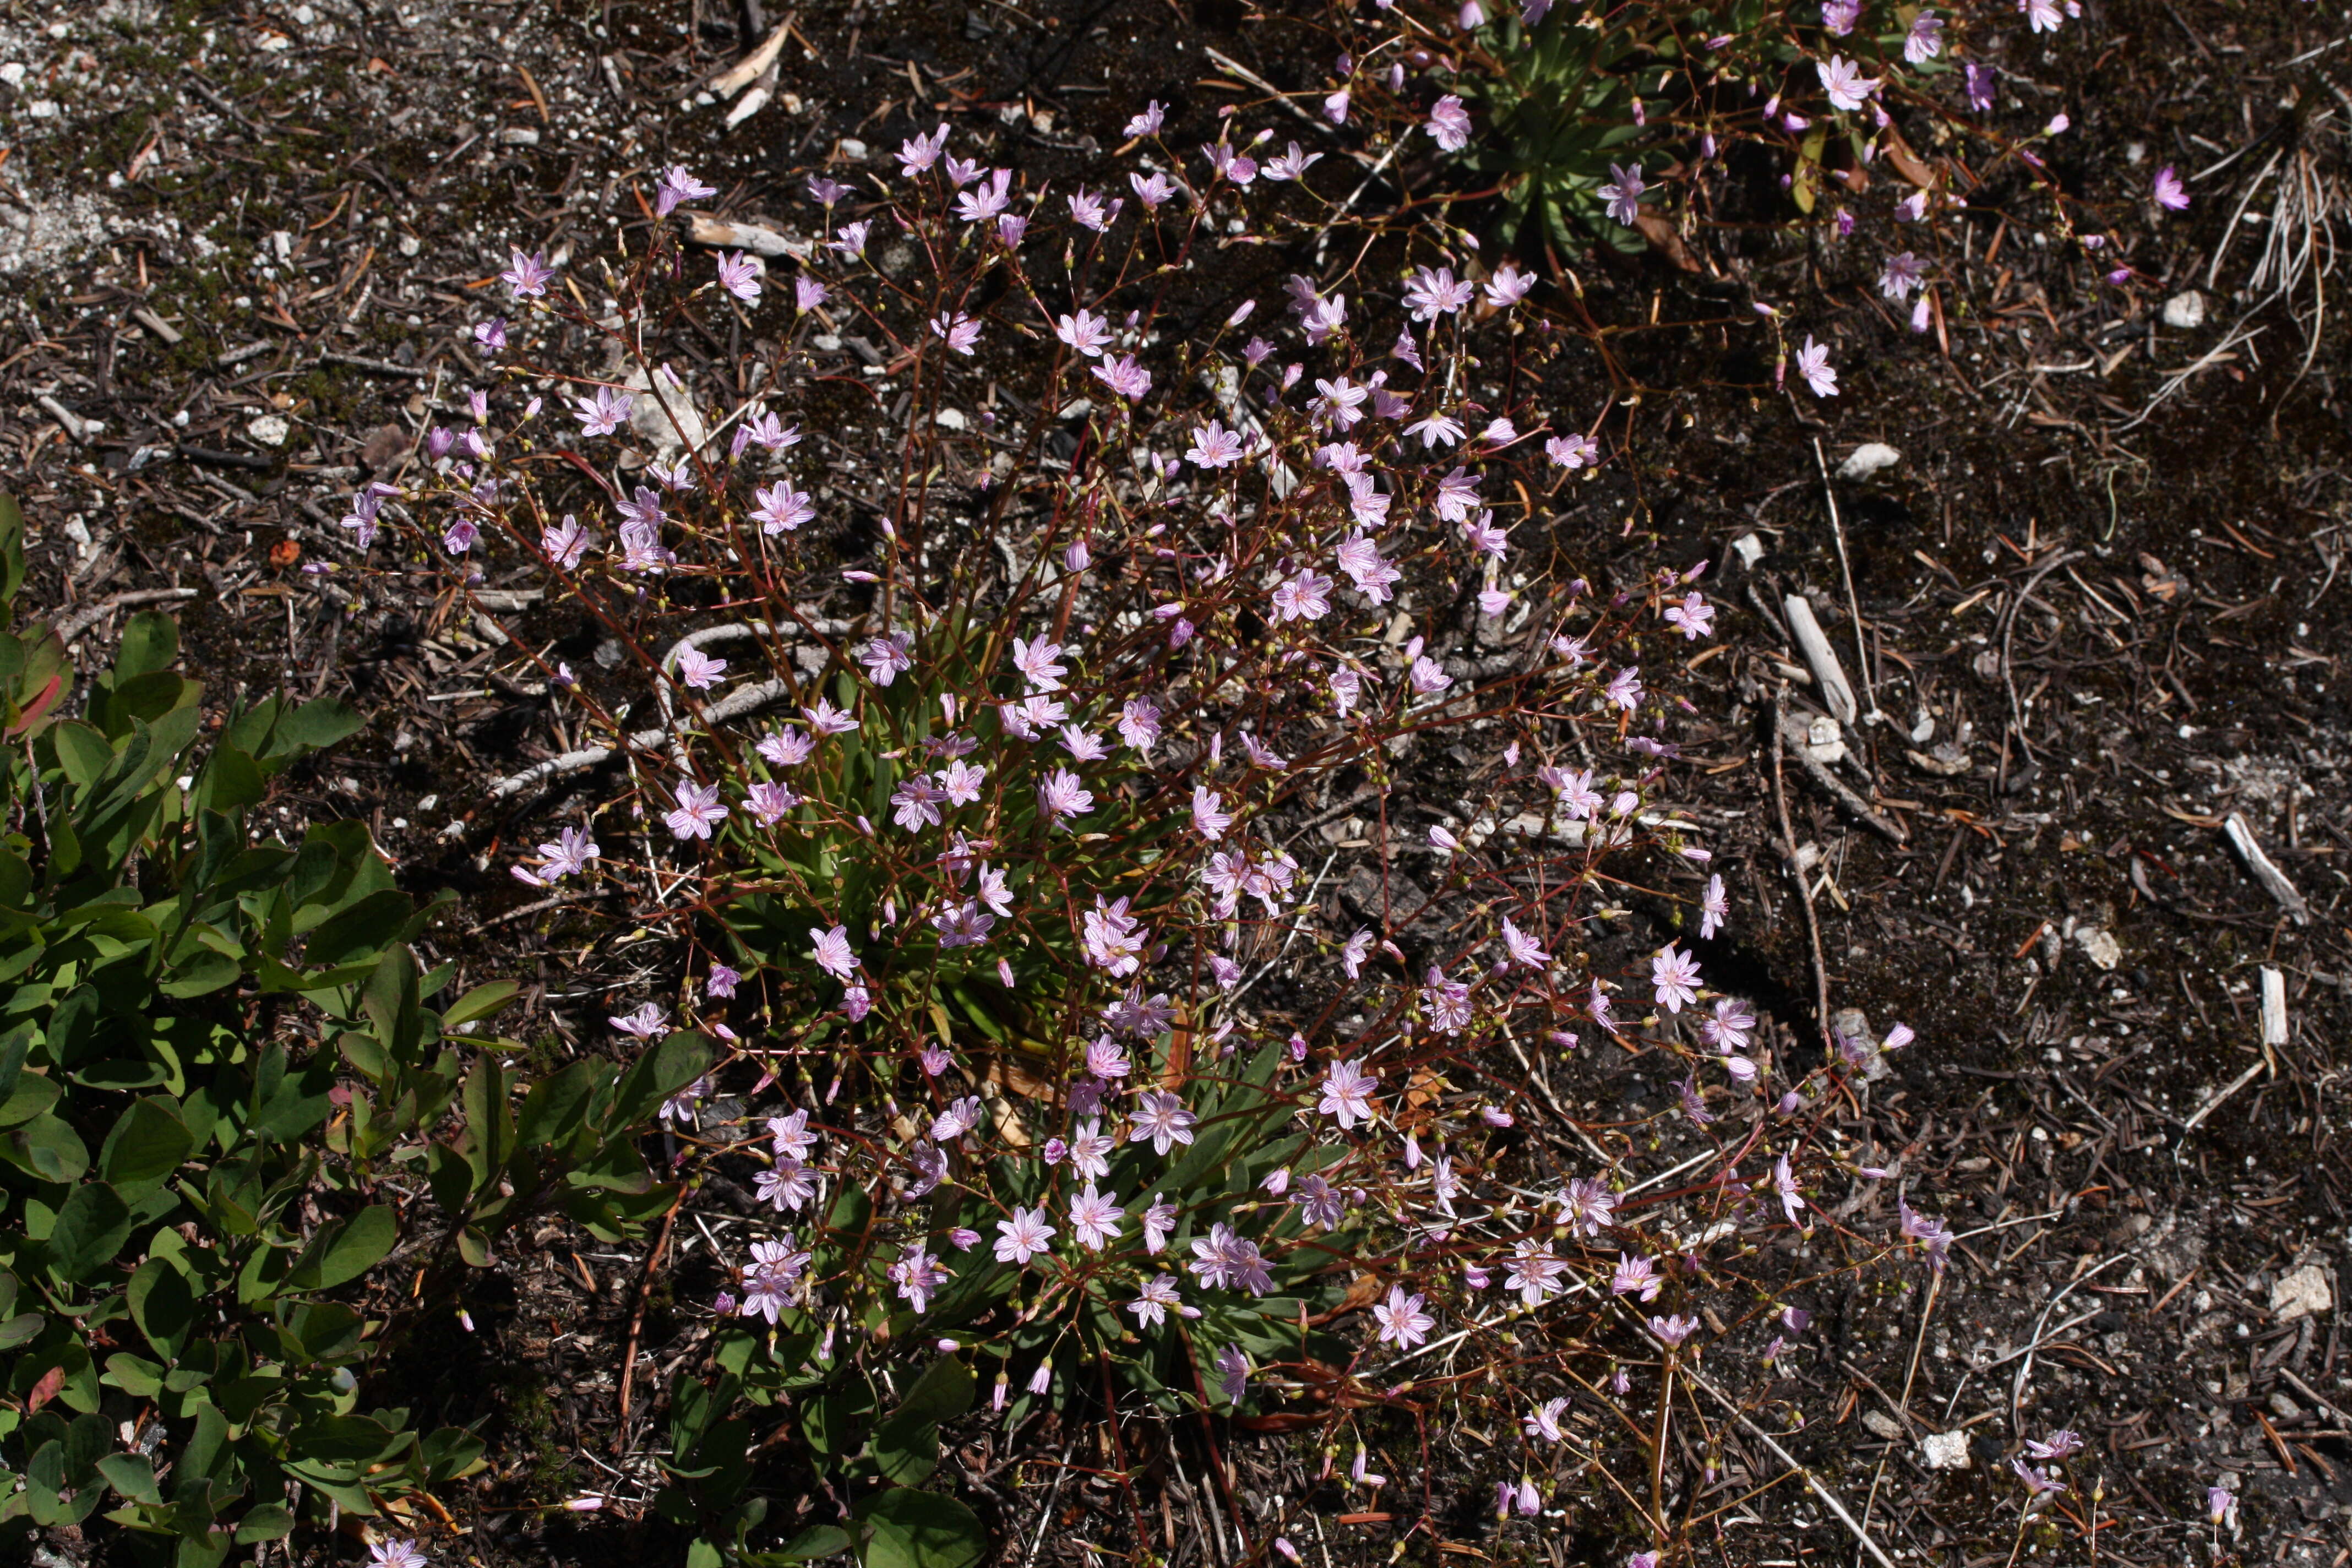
{"x":815,"y":869}
{"x":192,"y":1217}
{"x":1559,"y":109}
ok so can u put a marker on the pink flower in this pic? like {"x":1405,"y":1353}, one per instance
{"x":1401,"y":1322}
{"x":698,"y":669}
{"x":1208,"y":820}
{"x":1635,"y":1277}
{"x":1064,"y":794}
{"x":1525,"y":951}
{"x":1676,"y":977}
{"x":1814,"y":364}
{"x":604,"y":412}
{"x":959,"y":331}
{"x":1161,"y":1120}
{"x":1694,"y":615}
{"x":676,"y":186}
{"x":1624,"y":195}
{"x":1086,"y":333}
{"x":1449,"y":123}
{"x":697,"y":809}
{"x":1094,"y":1219}
{"x":1215,"y":447}
{"x":833,"y":954}
{"x":1307,"y":596}
{"x":1714,"y":907}
{"x":739,"y":276}
{"x":1843,"y":79}
{"x":886,"y":656}
{"x":526,"y":276}
{"x":783,"y":509}
{"x":1784,"y":1182}
{"x":1573,"y":452}
{"x":1348,"y":1094}
{"x":1024,"y":1236}
{"x":2171,"y":193}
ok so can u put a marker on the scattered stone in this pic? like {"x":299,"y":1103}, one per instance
{"x":269,"y":429}
{"x":1878,"y":1421}
{"x":1945,"y":1451}
{"x":2099,"y":946}
{"x":1870,"y":457}
{"x":2185,"y":309}
{"x":1825,"y":741}
{"x":1748,"y":548}
{"x":2302,"y":1292}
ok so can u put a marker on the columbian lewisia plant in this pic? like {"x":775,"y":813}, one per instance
{"x":1044,"y":818}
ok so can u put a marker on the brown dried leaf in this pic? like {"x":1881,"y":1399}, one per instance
{"x":1905,"y":162}
{"x":1665,"y":239}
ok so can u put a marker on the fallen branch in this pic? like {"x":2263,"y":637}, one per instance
{"x":1836,"y":690}
{"x":82,"y":620}
{"x":1885,"y":826}
{"x":744,"y":700}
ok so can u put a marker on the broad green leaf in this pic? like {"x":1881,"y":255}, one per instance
{"x":943,"y":1393}
{"x":480,"y":1003}
{"x":361,"y":931}
{"x":148,"y":1144}
{"x":131,"y":1475}
{"x":269,"y":1521}
{"x":912,"y":1529}
{"x":92,"y":1229}
{"x":82,"y":751}
{"x":150,"y":641}
{"x":553,"y":1107}
{"x":312,"y":727}
{"x":26,"y":1095}
{"x":162,"y":1306}
{"x":342,"y":1253}
{"x":817,"y":1541}
{"x":655,"y":1076}
{"x":47,"y":1147}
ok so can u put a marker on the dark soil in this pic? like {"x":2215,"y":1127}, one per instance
{"x":2102,"y":609}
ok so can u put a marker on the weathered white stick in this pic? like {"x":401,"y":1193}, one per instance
{"x":2273,"y":1007}
{"x":763,"y":243}
{"x":753,"y":66}
{"x":2274,"y":881}
{"x":1835,"y":689}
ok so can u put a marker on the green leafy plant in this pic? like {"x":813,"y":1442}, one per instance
{"x":1563,"y":107}
{"x":193,"y":1212}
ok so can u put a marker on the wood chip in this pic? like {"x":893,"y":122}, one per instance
{"x":2265,"y":871}
{"x":768,"y":244}
{"x":753,"y":66}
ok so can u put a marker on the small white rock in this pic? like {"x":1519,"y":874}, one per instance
{"x":1870,"y":457}
{"x":1748,"y":548}
{"x":1880,"y":1422}
{"x":2302,"y":1292}
{"x":519,"y":136}
{"x":269,"y":429}
{"x":2185,"y":309}
{"x":1945,"y":1451}
{"x":1825,"y":741}
{"x":2099,"y":946}
{"x":12,"y":73}
{"x":950,"y":419}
